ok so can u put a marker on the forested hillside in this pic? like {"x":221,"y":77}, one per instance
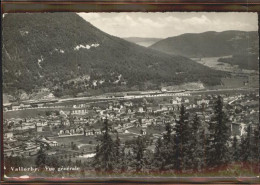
{"x":210,"y":44}
{"x":67,"y":55}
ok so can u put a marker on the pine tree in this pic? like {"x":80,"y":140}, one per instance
{"x":158,"y":161}
{"x":96,"y":162}
{"x":181,"y":141}
{"x":118,"y":153}
{"x":235,"y":150}
{"x":117,"y":145}
{"x":255,"y":144}
{"x":167,"y":149}
{"x":217,"y":143}
{"x":40,"y":161}
{"x":196,"y":144}
{"x":105,"y":153}
{"x":138,"y":151}
{"x":71,"y":119}
{"x":246,"y":146}
{"x":167,"y":138}
{"x":256,"y":150}
{"x":163,"y":159}
{"x":123,"y":161}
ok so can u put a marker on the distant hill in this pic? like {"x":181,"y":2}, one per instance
{"x":142,"y":41}
{"x":210,"y":44}
{"x":65,"y":55}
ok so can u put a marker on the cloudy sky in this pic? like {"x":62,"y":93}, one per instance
{"x":162,"y":25}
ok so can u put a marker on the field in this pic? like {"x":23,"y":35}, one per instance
{"x":28,"y":113}
{"x":212,"y":62}
{"x":75,"y":139}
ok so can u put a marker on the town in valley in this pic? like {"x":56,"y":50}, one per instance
{"x":121,"y":95}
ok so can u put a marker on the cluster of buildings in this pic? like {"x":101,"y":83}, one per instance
{"x":24,"y":136}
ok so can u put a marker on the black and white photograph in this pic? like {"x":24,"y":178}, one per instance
{"x":130,"y":95}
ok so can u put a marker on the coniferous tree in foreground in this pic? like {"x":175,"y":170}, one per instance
{"x":245,"y":145}
{"x":217,"y":143}
{"x":96,"y":161}
{"x":256,"y":149}
{"x":167,"y":138}
{"x":235,"y":150}
{"x":119,"y":153}
{"x":105,"y":154}
{"x":196,"y":145}
{"x":249,"y":149}
{"x":158,"y":155}
{"x":181,"y":141}
{"x":40,"y":161}
{"x":124,"y":161}
{"x":163,"y":159}
{"x":167,"y":149}
{"x":138,"y":150}
{"x":117,"y":147}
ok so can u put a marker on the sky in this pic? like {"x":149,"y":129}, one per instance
{"x":163,"y":25}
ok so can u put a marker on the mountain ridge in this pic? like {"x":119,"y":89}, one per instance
{"x":209,"y":44}
{"x":67,"y":55}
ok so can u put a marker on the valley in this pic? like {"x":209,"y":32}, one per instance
{"x":83,"y":100}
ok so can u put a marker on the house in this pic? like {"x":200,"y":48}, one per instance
{"x":129,"y":111}
{"x":173,"y":101}
{"x":242,"y":129}
{"x":39,"y":127}
{"x":8,"y":134}
{"x":170,"y":108}
{"x":7,"y":106}
{"x":203,"y":101}
{"x":15,"y":106}
{"x":92,"y":132}
{"x":79,"y":111}
{"x":141,"y":109}
{"x":72,"y":131}
{"x":129,"y":124}
{"x":186,"y":101}
{"x":176,"y":107}
{"x":176,"y":100}
{"x":149,"y":109}
{"x":163,"y":107}
{"x":159,"y":121}
{"x":110,"y":106}
{"x":143,"y":132}
{"x":25,"y":106}
{"x":79,"y":130}
{"x":40,"y":105}
{"x":49,"y":142}
{"x":128,"y":104}
{"x":51,"y":153}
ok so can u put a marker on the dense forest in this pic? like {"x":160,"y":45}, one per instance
{"x":187,"y":148}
